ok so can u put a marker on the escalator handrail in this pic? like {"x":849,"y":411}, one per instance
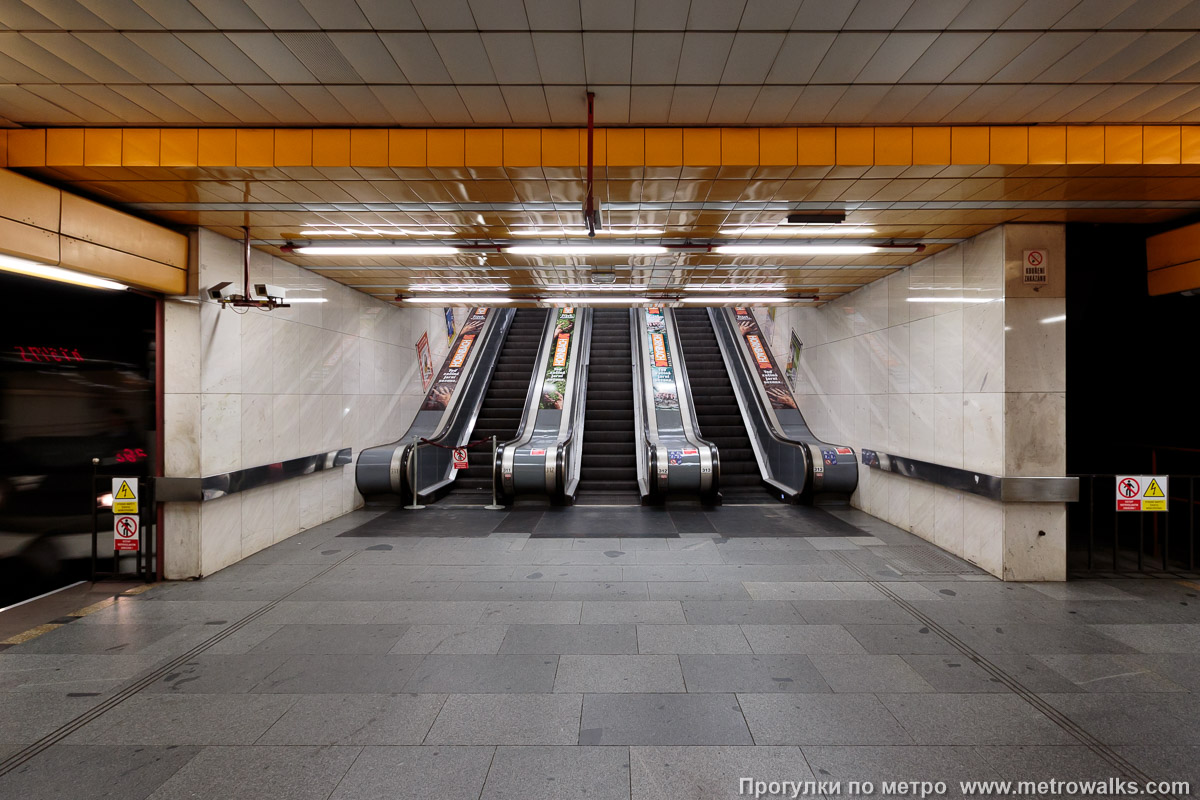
{"x":567,"y":477}
{"x":641,"y":415}
{"x":763,"y":412}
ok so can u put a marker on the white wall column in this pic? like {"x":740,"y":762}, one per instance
{"x":953,"y":361}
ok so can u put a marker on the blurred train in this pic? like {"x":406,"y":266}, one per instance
{"x":76,"y":383}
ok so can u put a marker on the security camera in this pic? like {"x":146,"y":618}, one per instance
{"x":219,"y":290}
{"x":267,"y":290}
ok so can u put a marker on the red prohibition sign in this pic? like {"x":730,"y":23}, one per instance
{"x":1129,"y":488}
{"x":127,"y":527}
{"x":1035,"y":258}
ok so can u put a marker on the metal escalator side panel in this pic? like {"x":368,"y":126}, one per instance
{"x":642,"y":419}
{"x":508,"y":450}
{"x":788,"y":440}
{"x":709,"y":456}
{"x":383,"y":468}
{"x":530,"y":464}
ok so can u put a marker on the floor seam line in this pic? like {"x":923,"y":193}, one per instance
{"x":1060,"y":719}
{"x":97,"y":711}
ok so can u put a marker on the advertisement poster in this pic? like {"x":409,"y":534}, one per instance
{"x":449,"y":325}
{"x":447,"y":380}
{"x":554,"y":384}
{"x":793,"y":367}
{"x":772,"y":380}
{"x":424,"y":360}
{"x":662,"y":368}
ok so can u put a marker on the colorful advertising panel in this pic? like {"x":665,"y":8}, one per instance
{"x":447,"y":380}
{"x":424,"y":360}
{"x":662,"y":367}
{"x":449,"y":312}
{"x":554,"y":384}
{"x":768,"y":372}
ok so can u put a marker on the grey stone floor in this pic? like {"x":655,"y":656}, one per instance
{"x":395,"y":665}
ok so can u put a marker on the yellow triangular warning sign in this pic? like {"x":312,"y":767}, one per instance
{"x":1152,"y":490}
{"x":125,"y":493}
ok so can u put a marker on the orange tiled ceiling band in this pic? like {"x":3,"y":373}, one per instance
{"x":683,"y":152}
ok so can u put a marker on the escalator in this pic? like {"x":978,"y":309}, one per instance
{"x":716,"y":407}
{"x":608,"y":474}
{"x":503,"y":404}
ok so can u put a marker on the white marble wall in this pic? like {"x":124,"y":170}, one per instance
{"x":247,"y":389}
{"x":974,"y":379}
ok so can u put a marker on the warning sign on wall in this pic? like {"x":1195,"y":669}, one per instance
{"x":1142,"y":492}
{"x":460,"y":458}
{"x":125,"y":495}
{"x":125,"y":532}
{"x":1033,"y":270}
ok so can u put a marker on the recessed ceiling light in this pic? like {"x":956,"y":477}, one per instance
{"x":453,"y":288}
{"x":771,"y":301}
{"x":737,"y":288}
{"x":584,"y":232}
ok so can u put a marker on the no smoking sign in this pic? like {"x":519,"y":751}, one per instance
{"x":1033,"y":268}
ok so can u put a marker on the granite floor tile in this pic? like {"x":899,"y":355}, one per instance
{"x":899,"y":639}
{"x":652,"y":612}
{"x":803,"y":591}
{"x":623,"y":673}
{"x":600,"y":590}
{"x":852,"y":612}
{"x":877,"y":764}
{"x":409,"y":773}
{"x":451,"y":639}
{"x":332,"y":639}
{"x":107,"y":771}
{"x":571,"y":639}
{"x":210,"y":719}
{"x":355,"y":719}
{"x":1133,"y":719}
{"x":668,"y":773}
{"x":954,"y":673}
{"x":751,"y":673}
{"x":430,"y":612}
{"x":558,"y":773}
{"x":869,"y":673}
{"x":732,"y":612}
{"x":341,"y":674}
{"x":540,"y":612}
{"x":98,"y":639}
{"x":668,"y":719}
{"x":499,"y":674}
{"x":801,"y":639}
{"x":1152,"y":638}
{"x":804,"y":719}
{"x":262,"y":773}
{"x":1109,"y":673}
{"x":982,"y":719}
{"x":697,"y":590}
{"x":26,"y":717}
{"x":691,"y":639}
{"x":218,"y":674}
{"x":512,"y":719}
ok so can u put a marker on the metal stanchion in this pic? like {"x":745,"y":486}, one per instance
{"x":494,"y":506}
{"x":416,"y":505}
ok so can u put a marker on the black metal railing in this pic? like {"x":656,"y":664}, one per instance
{"x":1103,"y":541}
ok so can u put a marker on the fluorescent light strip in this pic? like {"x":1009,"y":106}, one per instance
{"x":770,"y":301}
{"x":587,"y":250}
{"x":736,"y":288}
{"x":1059,"y":318}
{"x":798,"y":231}
{"x":476,"y":301}
{"x":294,"y":300}
{"x":587,"y":287}
{"x":587,"y":301}
{"x":374,"y":250}
{"x":372,"y":230}
{"x":453,"y":288}
{"x":808,"y":249}
{"x":952,"y":300}
{"x":584,"y":232}
{"x":24,"y":266}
